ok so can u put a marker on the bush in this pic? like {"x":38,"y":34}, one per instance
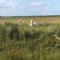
{"x":14,"y":34}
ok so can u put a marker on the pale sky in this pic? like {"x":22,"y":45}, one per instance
{"x":29,"y":7}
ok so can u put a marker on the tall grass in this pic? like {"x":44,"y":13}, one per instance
{"x":22,"y":42}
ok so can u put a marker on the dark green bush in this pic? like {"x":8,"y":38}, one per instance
{"x":14,"y":34}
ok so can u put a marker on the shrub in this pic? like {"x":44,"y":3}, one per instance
{"x":14,"y":34}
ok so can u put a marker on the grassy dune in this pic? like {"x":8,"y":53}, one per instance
{"x":22,"y":42}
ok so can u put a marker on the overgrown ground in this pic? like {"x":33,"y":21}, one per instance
{"x":22,"y":42}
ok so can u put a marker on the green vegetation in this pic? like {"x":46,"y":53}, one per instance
{"x":22,"y":42}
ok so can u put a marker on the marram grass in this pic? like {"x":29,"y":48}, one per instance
{"x":22,"y":42}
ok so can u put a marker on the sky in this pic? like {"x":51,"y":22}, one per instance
{"x":29,"y":7}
